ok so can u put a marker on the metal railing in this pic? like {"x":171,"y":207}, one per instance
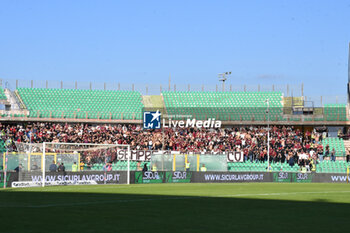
{"x":137,"y":116}
{"x":150,"y":89}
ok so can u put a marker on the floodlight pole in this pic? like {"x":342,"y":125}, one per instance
{"x":268,"y":134}
{"x":222,"y":78}
{"x":43,"y":165}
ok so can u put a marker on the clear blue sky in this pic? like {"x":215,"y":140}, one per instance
{"x":261,"y":42}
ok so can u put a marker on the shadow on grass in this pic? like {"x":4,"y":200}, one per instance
{"x":95,"y":212}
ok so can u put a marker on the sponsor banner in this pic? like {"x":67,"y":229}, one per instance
{"x":282,"y":177}
{"x":27,"y":184}
{"x":302,"y":177}
{"x":144,"y":155}
{"x":332,"y":178}
{"x":293,"y":177}
{"x":98,"y":177}
{"x":230,"y":177}
{"x":178,"y":177}
{"x":149,"y":177}
{"x":34,"y":179}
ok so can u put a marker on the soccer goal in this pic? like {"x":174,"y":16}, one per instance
{"x":52,"y":163}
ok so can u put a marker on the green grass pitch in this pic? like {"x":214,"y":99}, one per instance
{"x":242,"y":207}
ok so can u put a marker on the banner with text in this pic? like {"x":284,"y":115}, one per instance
{"x":100,"y":177}
{"x":149,"y":177}
{"x":178,"y":177}
{"x":145,"y":155}
{"x":231,"y":177}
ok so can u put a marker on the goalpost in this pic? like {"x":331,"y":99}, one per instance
{"x":51,"y":163}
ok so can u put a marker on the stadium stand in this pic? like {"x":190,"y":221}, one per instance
{"x":224,"y":105}
{"x":249,"y":106}
{"x":287,"y":144}
{"x":81,"y":104}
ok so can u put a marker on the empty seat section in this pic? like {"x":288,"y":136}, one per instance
{"x":335,"y":112}
{"x":336,"y":143}
{"x":82,"y":104}
{"x":234,"y":106}
{"x":328,"y":166}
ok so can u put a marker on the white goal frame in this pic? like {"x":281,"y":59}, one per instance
{"x":85,"y":144}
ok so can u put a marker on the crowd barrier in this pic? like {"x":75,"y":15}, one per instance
{"x":31,"y":179}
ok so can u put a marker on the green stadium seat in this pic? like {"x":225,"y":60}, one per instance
{"x":2,"y":94}
{"x":234,"y":106}
{"x":336,"y":143}
{"x":335,"y":112}
{"x":81,"y":104}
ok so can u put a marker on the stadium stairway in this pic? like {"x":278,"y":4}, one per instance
{"x":11,"y":104}
{"x":153,"y":101}
{"x":12,"y":100}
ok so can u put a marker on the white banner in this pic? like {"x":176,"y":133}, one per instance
{"x":145,"y":155}
{"x":27,"y":184}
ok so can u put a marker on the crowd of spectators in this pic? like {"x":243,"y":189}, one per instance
{"x":286,"y":143}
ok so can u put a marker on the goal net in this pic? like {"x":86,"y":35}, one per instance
{"x":69,"y":164}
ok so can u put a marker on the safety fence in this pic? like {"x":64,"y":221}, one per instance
{"x":152,"y":88}
{"x":157,"y":88}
